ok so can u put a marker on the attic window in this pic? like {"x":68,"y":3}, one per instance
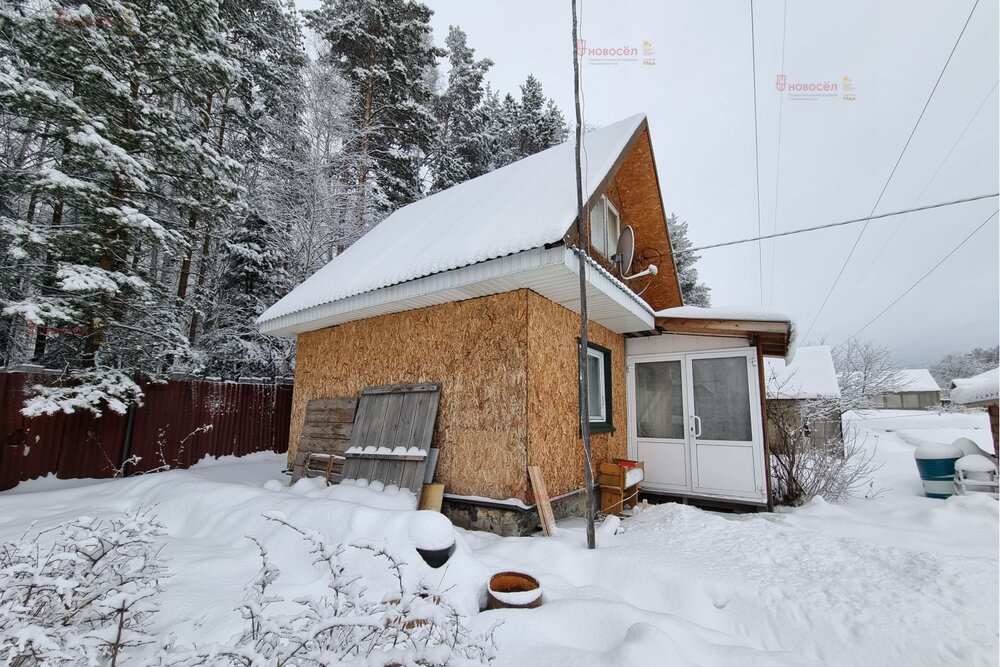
{"x":605,"y":227}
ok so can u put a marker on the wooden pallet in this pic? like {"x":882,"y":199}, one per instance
{"x":389,"y":417}
{"x":326,"y":432}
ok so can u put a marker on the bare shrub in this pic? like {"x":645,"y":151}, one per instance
{"x":80,"y":593}
{"x":811,"y":454}
{"x":409,"y":626}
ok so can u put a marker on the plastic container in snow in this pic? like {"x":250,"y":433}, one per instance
{"x":513,"y":590}
{"x":433,"y":536}
{"x":936,"y":464}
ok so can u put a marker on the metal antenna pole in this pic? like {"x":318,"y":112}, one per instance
{"x":588,"y":471}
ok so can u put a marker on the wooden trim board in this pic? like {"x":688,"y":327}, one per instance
{"x":542,"y":500}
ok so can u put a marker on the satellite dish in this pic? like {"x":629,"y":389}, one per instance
{"x":625,"y":252}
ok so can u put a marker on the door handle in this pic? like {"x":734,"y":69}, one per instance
{"x":696,"y":426}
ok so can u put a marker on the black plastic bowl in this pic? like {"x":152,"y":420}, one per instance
{"x":436,"y":557}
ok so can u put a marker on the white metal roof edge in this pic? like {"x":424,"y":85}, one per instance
{"x":475,"y":280}
{"x":598,"y":270}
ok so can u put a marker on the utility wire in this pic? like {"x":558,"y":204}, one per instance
{"x":926,"y":187}
{"x":756,"y":155}
{"x":923,"y":277}
{"x":777,"y":153}
{"x":950,"y":331}
{"x":834,"y":224}
{"x":892,"y":173}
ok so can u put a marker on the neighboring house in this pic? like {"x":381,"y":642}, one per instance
{"x":477,"y":288}
{"x":806,"y":393}
{"x":981,"y":390}
{"x":918,"y":390}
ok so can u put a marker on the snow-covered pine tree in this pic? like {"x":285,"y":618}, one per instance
{"x":554,"y":130}
{"x":540,"y":124}
{"x":499,"y":132}
{"x":383,"y":50}
{"x":116,"y":85}
{"x":695,"y":293}
{"x":252,"y":278}
{"x":461,"y":151}
{"x":246,"y":271}
{"x":263,"y":38}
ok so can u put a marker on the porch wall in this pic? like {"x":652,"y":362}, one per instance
{"x":554,"y":441}
{"x":681,"y":343}
{"x":477,"y":349}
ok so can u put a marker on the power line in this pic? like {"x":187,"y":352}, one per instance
{"x":892,"y":173}
{"x":926,"y":187}
{"x":777,"y":153}
{"x":923,"y":277}
{"x":950,"y":331}
{"x":834,"y":224}
{"x":756,"y":154}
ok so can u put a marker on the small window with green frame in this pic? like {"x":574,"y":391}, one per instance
{"x":599,"y":389}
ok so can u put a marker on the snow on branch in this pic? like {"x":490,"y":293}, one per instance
{"x":341,"y":625}
{"x":89,"y":390}
{"x":80,"y":593}
{"x":83,"y":278}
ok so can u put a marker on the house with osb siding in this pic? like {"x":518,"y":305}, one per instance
{"x":477,"y":288}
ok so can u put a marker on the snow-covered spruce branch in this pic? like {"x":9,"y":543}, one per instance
{"x":411,"y":626}
{"x":80,"y":593}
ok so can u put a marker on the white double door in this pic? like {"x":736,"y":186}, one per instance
{"x":695,"y":421}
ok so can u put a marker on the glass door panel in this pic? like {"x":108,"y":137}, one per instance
{"x":659,"y":400}
{"x":660,"y":427}
{"x":722,"y":399}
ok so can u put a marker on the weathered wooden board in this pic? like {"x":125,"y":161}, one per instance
{"x":393,"y":416}
{"x":542,"y":500}
{"x":326,"y":430}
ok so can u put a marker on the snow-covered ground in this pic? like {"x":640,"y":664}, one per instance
{"x":898,"y":579}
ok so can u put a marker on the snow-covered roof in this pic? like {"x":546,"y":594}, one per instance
{"x":982,"y":388}
{"x":811,"y":375}
{"x":725,"y":313}
{"x":916,"y":379}
{"x":740,"y":314}
{"x":522,"y":206}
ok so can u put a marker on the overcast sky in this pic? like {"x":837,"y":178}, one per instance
{"x":835,"y":154}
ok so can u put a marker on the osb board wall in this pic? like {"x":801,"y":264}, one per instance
{"x":633,"y":190}
{"x":477,"y":350}
{"x":554,"y":441}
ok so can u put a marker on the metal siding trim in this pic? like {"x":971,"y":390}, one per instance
{"x":549,"y":272}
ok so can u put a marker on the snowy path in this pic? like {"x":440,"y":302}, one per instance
{"x":896,"y":580}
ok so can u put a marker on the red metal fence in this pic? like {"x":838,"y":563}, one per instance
{"x":180,"y":422}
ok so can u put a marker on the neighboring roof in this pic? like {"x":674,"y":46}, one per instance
{"x":916,"y":379}
{"x":525,"y":205}
{"x":773,"y":329}
{"x":977,"y":390}
{"x":810,"y":376}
